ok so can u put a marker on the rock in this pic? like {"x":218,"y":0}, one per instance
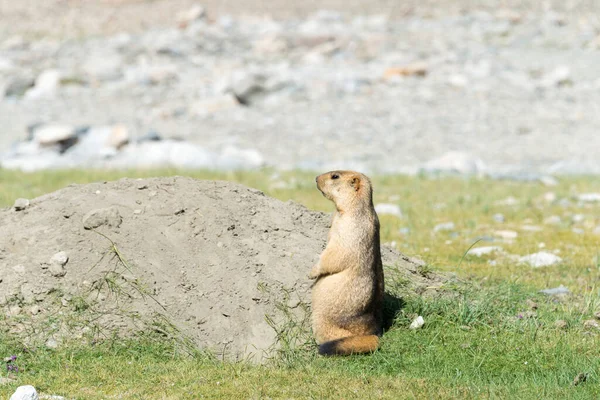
{"x":550,"y":197}
{"x":485,"y":250}
{"x":119,"y":137}
{"x":556,"y":291}
{"x":415,"y":69}
{"x":21,"y":204}
{"x":597,"y":315}
{"x":46,"y":85}
{"x":589,"y":197}
{"x":150,"y":136}
{"x":532,"y":304}
{"x":499,"y":218}
{"x":552,"y":220}
{"x":577,"y":218}
{"x":103,"y":66}
{"x":17,"y":86}
{"x":506,"y":234}
{"x":34,"y":310}
{"x":232,"y":157}
{"x":560,"y":76}
{"x":417,"y":323}
{"x":591,"y":324}
{"x":14,"y":310}
{"x":196,"y":12}
{"x":454,"y":162}
{"x":102,"y":217}
{"x":580,"y":378}
{"x":388,"y":209}
{"x":215,"y":104}
{"x":248,"y":87}
{"x":57,"y":263}
{"x":561,"y":324}
{"x":548,"y":180}
{"x":531,"y":228}
{"x":167,"y":153}
{"x":540,"y":259}
{"x":51,"y":343}
{"x":445,"y":226}
{"x":52,"y":134}
{"x":25,"y":393}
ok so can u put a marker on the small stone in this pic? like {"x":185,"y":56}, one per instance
{"x":591,"y":324}
{"x":51,"y":343}
{"x":444,"y":227}
{"x":531,"y":304}
{"x":556,"y":291}
{"x":580,"y":378}
{"x":552,"y":220}
{"x":61,"y":258}
{"x":119,"y":137}
{"x":14,"y":310}
{"x":548,"y":180}
{"x":540,"y":259}
{"x":589,"y":197}
{"x":102,"y":217}
{"x":46,"y":84}
{"x":213,"y":105}
{"x":248,"y":87}
{"x":25,"y":393}
{"x":561,"y":324}
{"x":485,"y":250}
{"x":137,"y":212}
{"x":417,"y":323}
{"x":454,"y":162}
{"x":196,"y":12}
{"x":21,"y":204}
{"x":597,"y":315}
{"x":415,"y":69}
{"x":506,"y":234}
{"x":52,"y":134}
{"x":34,"y":310}
{"x":531,"y":228}
{"x":550,"y":197}
{"x":577,"y":218}
{"x":388,"y":209}
{"x":560,"y":76}
{"x":499,"y":218}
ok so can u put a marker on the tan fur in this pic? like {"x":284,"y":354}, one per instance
{"x":347,"y":297}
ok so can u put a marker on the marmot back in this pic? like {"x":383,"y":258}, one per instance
{"x":347,"y":297}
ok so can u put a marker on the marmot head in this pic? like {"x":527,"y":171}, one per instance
{"x":347,"y":189}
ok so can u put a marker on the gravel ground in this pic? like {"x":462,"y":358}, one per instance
{"x":506,"y":90}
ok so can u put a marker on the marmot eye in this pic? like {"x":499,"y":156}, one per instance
{"x":335,"y":176}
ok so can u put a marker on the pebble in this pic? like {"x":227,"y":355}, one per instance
{"x":591,"y":324}
{"x":21,"y":204}
{"x":589,"y":197}
{"x":119,"y":137}
{"x":415,"y":69}
{"x":57,"y":264}
{"x":552,"y":220}
{"x":388,"y":209}
{"x":444,"y":227}
{"x":556,"y":291}
{"x":485,"y":250}
{"x":506,"y":234}
{"x":540,"y":259}
{"x":27,"y":392}
{"x":417,"y":323}
{"x":454,"y":163}
{"x":46,"y":85}
{"x":561,"y":324}
{"x":102,"y":217}
{"x":499,"y":218}
{"x":51,"y":343}
{"x":51,"y":134}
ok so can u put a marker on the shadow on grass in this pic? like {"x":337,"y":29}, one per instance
{"x":391,"y":307}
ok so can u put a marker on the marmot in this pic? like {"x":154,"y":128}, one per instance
{"x":347,"y":297}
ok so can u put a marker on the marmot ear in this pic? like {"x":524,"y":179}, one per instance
{"x":355,"y":182}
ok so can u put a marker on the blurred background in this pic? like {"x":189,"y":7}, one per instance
{"x":500,"y":88}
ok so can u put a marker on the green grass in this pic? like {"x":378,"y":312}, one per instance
{"x":485,"y":341}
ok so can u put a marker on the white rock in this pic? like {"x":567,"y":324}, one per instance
{"x":233,"y":157}
{"x":540,"y":259}
{"x":417,"y":323}
{"x":577,"y":218}
{"x":506,"y":234}
{"x":119,"y":137}
{"x":589,"y":197}
{"x":51,"y":343}
{"x":388,"y":209}
{"x":194,"y":13}
{"x":531,"y":228}
{"x":550,"y":197}
{"x":561,"y":75}
{"x":46,"y":84}
{"x":445,"y":226}
{"x":499,"y":217}
{"x":25,"y":393}
{"x":48,"y":135}
{"x":455,"y":162}
{"x":212,"y":105}
{"x":481,"y":251}
{"x":552,"y":220}
{"x":21,"y":204}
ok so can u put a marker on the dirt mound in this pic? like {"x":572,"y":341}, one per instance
{"x":216,"y":261}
